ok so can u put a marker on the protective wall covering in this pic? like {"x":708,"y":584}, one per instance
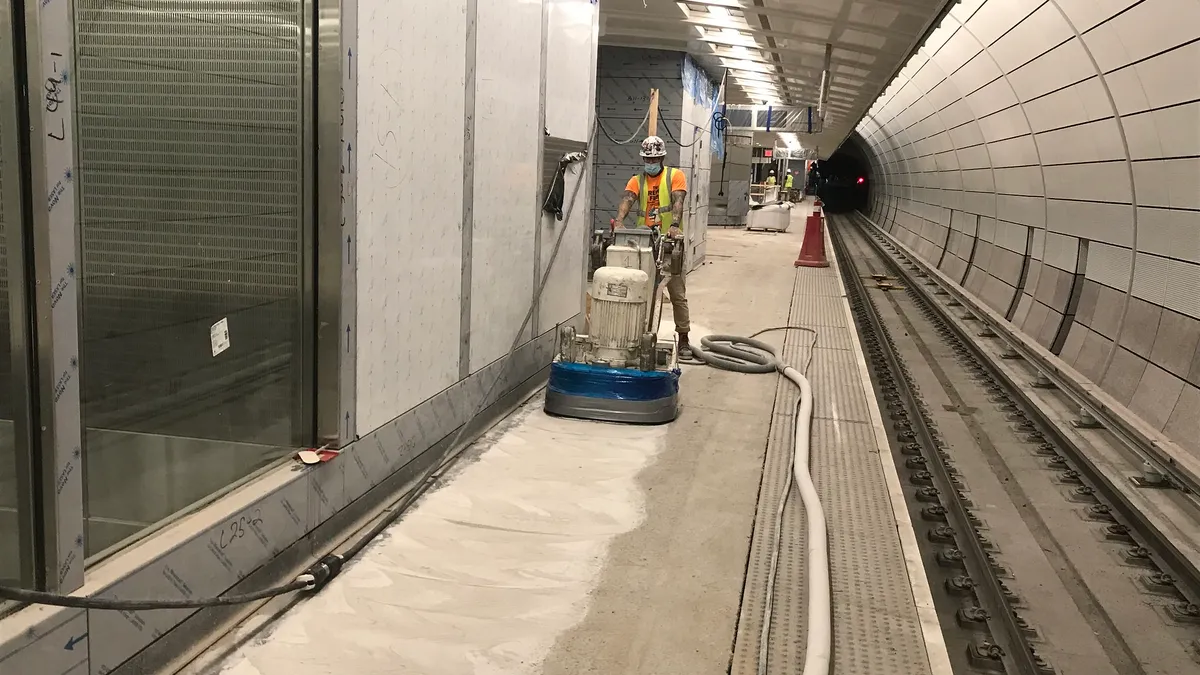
{"x":686,"y":99}
{"x":1047,"y":154}
{"x":451,"y":124}
{"x":410,"y":203}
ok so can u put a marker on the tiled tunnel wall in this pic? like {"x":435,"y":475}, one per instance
{"x":1047,"y":156}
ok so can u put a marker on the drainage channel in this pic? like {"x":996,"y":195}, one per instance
{"x":1037,"y":574}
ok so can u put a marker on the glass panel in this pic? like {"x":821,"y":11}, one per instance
{"x":10,"y":568}
{"x":192,"y":227}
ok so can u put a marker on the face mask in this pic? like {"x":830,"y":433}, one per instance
{"x":653,"y":169}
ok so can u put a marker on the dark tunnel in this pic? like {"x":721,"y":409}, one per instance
{"x":843,"y":182}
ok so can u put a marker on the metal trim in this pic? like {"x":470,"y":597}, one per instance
{"x":589,"y":194}
{"x":15,"y":219}
{"x":306,"y":366}
{"x":468,"y":205}
{"x":334,"y":126}
{"x":539,"y":194}
{"x":50,"y":45}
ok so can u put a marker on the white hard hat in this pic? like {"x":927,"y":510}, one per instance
{"x":772,"y":172}
{"x":653,"y":148}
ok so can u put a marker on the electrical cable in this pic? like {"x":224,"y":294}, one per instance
{"x":631,"y":138}
{"x":728,"y":352}
{"x":681,"y":145}
{"x":323,"y":571}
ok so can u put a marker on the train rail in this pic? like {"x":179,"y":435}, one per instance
{"x":1053,"y":557}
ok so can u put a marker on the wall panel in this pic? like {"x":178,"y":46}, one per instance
{"x":1077,"y":128}
{"x":409,"y":224}
{"x":507,"y":170}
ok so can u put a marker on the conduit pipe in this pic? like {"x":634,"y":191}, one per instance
{"x":724,"y":352}
{"x":823,"y":101}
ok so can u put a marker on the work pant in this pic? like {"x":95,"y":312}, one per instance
{"x":677,"y":291}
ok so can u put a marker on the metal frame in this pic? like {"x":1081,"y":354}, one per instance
{"x":305,"y":404}
{"x":468,"y":205}
{"x":13,"y":204}
{"x":539,"y":218}
{"x":49,"y":54}
{"x":333,"y":126}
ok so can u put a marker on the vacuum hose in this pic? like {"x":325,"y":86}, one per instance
{"x":727,"y":352}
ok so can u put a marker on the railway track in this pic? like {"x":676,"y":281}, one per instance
{"x":1046,"y":563}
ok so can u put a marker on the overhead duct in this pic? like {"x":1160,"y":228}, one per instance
{"x":783,"y":119}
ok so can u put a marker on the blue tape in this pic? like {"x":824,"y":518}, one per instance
{"x":624,"y":384}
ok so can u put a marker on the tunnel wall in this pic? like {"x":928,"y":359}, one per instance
{"x":1047,"y":156}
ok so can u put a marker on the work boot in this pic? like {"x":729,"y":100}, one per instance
{"x":685,"y":349}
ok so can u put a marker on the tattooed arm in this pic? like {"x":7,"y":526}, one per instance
{"x":677,"y":199}
{"x":626,"y":204}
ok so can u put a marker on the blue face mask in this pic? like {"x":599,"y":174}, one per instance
{"x":653,"y":169}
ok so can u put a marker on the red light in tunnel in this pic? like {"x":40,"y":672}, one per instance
{"x":861,"y":180}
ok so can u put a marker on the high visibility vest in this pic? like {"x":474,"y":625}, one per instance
{"x":664,"y":199}
{"x":787,"y":182}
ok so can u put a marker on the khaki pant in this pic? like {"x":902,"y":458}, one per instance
{"x":677,"y":291}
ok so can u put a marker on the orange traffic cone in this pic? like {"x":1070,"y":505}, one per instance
{"x":812,"y":251}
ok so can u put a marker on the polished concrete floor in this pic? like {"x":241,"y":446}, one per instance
{"x":567,"y":546}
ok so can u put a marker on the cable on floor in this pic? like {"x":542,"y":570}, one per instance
{"x":323,"y":571}
{"x":729,"y":352}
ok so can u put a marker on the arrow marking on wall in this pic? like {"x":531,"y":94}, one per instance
{"x":70,"y":646}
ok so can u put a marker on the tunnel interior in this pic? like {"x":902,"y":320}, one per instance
{"x":843,"y":182}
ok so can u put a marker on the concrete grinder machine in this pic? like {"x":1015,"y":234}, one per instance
{"x":621,"y":370}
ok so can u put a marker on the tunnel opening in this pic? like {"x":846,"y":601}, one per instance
{"x":843,"y":181}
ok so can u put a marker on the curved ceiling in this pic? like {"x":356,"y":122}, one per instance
{"x":774,"y":50}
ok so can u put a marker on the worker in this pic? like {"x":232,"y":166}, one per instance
{"x":661,"y":191}
{"x":787,"y":182}
{"x":771,"y":177}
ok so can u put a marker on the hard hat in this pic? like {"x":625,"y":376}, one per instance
{"x":772,"y":172}
{"x":653,"y":148}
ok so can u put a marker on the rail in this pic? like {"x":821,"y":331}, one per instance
{"x":1177,"y":558}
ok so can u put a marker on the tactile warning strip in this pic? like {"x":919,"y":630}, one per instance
{"x":876,"y":626}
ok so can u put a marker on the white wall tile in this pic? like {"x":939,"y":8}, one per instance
{"x":1169,"y":232}
{"x":1109,"y":265}
{"x":1019,"y":151}
{"x":1030,"y":211}
{"x":1151,"y":278}
{"x":1085,"y":14}
{"x":1064,"y":65}
{"x":1166,"y":79}
{"x":1084,"y":101}
{"x":1146,"y":29}
{"x":994,"y":19}
{"x":1061,"y":251}
{"x":956,"y":52}
{"x":1110,"y":223}
{"x":1025,"y":180}
{"x":991,"y":98}
{"x":1091,"y":142}
{"x":1101,"y":182}
{"x":1037,"y":33}
{"x":1183,"y":290}
{"x":1004,"y":124}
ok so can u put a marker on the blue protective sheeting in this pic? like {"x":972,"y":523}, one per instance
{"x":625,"y":384}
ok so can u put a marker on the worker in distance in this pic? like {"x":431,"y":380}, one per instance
{"x":659,"y":191}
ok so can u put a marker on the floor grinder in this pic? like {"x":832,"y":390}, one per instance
{"x":621,"y":371}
